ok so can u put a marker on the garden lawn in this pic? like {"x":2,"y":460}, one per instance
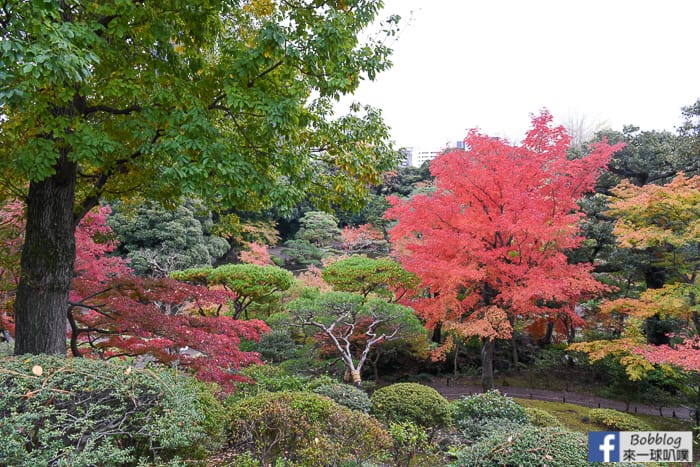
{"x":575,"y":417}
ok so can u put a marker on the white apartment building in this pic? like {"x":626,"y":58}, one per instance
{"x":417,"y":156}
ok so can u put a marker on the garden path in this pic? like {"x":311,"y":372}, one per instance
{"x":451,"y":389}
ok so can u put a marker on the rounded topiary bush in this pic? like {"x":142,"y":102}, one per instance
{"x":347,"y":395}
{"x":488,"y":406}
{"x":618,"y":421}
{"x":529,"y":445}
{"x":80,"y":412}
{"x":478,"y":415}
{"x":305,"y":429}
{"x":411,"y":402}
{"x":540,"y":417}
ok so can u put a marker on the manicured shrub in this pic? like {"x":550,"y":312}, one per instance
{"x":478,"y":415}
{"x":540,"y":417}
{"x":81,"y":412}
{"x":277,"y":346}
{"x":618,"y":421}
{"x":530,"y":445}
{"x":306,"y":429}
{"x":411,"y":402}
{"x":347,"y":395}
{"x":487,"y":406}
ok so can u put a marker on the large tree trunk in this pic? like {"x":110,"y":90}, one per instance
{"x":437,"y":333}
{"x":48,"y":254}
{"x":547,"y":338}
{"x":487,"y":364}
{"x":514,"y":351}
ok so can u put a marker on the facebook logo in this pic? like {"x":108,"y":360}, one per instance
{"x":604,"y":446}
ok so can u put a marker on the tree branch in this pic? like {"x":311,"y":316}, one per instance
{"x":262,"y":74}
{"x":111,"y":110}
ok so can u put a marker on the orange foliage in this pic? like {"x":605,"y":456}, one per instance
{"x":255,"y":254}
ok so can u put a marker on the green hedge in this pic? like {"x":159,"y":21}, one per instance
{"x":81,"y":412}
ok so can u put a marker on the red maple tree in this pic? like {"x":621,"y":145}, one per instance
{"x":11,"y":239}
{"x":113,"y":313}
{"x":489,"y":244}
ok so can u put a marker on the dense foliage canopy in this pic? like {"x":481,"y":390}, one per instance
{"x":225,"y":101}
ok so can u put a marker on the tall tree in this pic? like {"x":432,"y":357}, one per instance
{"x":227,"y":101}
{"x":665,"y":221}
{"x":157,"y":240}
{"x":353,"y":326}
{"x":490,"y":243}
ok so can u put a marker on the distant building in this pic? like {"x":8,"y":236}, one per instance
{"x":418,"y":156}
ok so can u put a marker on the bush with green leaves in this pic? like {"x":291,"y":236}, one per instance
{"x":476,"y":416}
{"x":266,"y":378}
{"x":618,"y":421}
{"x":411,"y":402}
{"x":81,"y":412}
{"x":302,"y":254}
{"x":277,"y":346}
{"x":487,"y":406}
{"x":540,"y":417}
{"x":412,"y":442}
{"x":305,"y":429}
{"x":529,"y":445}
{"x":347,"y":395}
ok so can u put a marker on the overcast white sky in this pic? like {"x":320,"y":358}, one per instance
{"x":460,"y":64}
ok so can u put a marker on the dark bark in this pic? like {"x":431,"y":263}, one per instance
{"x":437,"y":333}
{"x":41,"y":303}
{"x":695,"y":316}
{"x":375,"y":363}
{"x":571,"y":335}
{"x":547,"y":338}
{"x":455,"y":363}
{"x":513,"y":343}
{"x":487,"y":349}
{"x":514,"y":350}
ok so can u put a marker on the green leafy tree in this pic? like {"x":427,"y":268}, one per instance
{"x":317,"y":231}
{"x":158,"y":241}
{"x":252,"y":283}
{"x":351,"y":327}
{"x":229,"y":102}
{"x":383,"y":277}
{"x":318,"y":228}
{"x":303,"y":253}
{"x":647,"y":157}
